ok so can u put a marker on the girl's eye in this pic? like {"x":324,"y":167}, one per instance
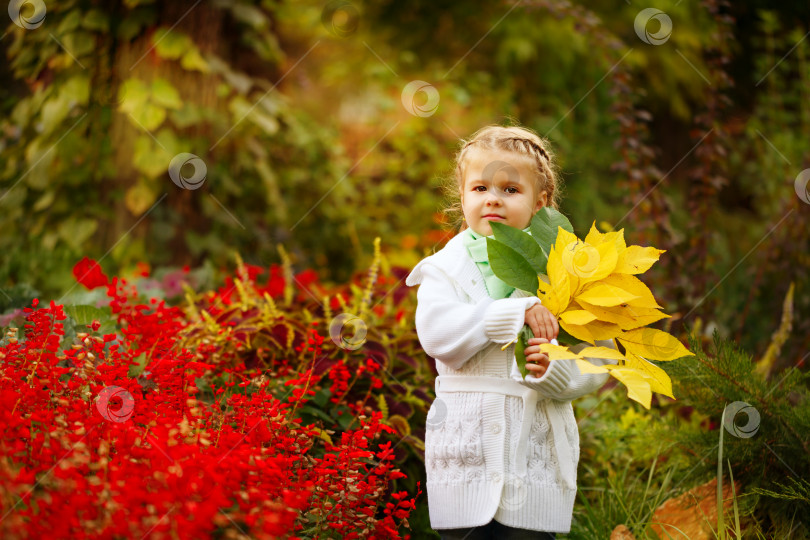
{"x":511,"y":187}
{"x":476,"y":188}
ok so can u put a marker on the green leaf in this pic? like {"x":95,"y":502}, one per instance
{"x":77,"y":89}
{"x":79,"y":43}
{"x":140,"y":197}
{"x":383,"y":406}
{"x":171,"y":44}
{"x":45,"y":201}
{"x":144,"y":157}
{"x":149,"y":117}
{"x":75,"y":231}
{"x":54,"y":111}
{"x":192,"y":60}
{"x":96,"y":20}
{"x":523,"y":341}
{"x":40,"y":159}
{"x":544,"y":227}
{"x":69,"y":22}
{"x":345,"y":419}
{"x":83,"y":314}
{"x":186,"y":116}
{"x":523,"y":244}
{"x":135,"y":20}
{"x":140,"y":364}
{"x":564,"y":338}
{"x":511,"y":267}
{"x":132,"y":95}
{"x":321,"y":396}
{"x":169,"y":144}
{"x":316,"y":413}
{"x":163,"y":93}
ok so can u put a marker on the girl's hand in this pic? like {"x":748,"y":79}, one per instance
{"x":542,"y":322}
{"x":536,"y":362}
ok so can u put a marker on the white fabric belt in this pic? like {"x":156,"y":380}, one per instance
{"x":511,"y":387}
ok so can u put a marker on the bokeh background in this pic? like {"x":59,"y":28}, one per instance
{"x":295,"y":108}
{"x":319,"y":126}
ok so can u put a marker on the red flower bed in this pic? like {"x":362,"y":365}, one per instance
{"x":91,"y":451}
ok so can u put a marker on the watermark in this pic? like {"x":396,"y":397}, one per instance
{"x":437,"y":414}
{"x":581,"y":259}
{"x":752,"y":424}
{"x":498,"y":166}
{"x":431,"y":104}
{"x":515,"y":493}
{"x":28,"y":14}
{"x":642,"y":21}
{"x":110,"y":411}
{"x":340,"y":18}
{"x":336,"y":331}
{"x":196,"y":180}
{"x":802,"y":186}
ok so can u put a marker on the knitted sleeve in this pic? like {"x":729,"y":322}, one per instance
{"x":564,"y":382}
{"x":452,"y":330}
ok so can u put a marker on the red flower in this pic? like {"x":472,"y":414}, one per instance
{"x":89,"y":273}
{"x":142,"y":269}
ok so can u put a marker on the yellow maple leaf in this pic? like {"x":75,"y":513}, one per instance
{"x":595,"y":237}
{"x":591,"y":287}
{"x":638,"y":387}
{"x":577,"y":316}
{"x":657,"y":377}
{"x":586,"y":367}
{"x":557,"y":352}
{"x":592,"y":331}
{"x":559,"y":294}
{"x":633,"y":285}
{"x":604,"y":294}
{"x":601,"y":352}
{"x":628,"y":317}
{"x":653,"y":344}
{"x":637,"y":259}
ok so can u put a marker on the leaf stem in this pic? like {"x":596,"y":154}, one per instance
{"x":514,"y":340}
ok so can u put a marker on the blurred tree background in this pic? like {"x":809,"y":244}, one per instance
{"x":296,"y":111}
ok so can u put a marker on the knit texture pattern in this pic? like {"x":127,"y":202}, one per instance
{"x":476,"y":467}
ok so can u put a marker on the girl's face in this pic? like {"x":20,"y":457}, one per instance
{"x":499,"y":186}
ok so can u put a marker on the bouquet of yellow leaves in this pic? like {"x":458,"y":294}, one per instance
{"x":591,"y":288}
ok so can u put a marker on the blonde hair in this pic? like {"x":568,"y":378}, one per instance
{"x":515,"y":139}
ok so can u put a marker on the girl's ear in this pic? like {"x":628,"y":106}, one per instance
{"x":542,"y":200}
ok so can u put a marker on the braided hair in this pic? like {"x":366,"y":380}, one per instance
{"x":514,"y":139}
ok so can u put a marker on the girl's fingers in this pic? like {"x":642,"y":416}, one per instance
{"x":537,"y":357}
{"x":537,"y":370}
{"x":552,"y":324}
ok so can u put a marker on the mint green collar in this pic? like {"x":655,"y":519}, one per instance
{"x":477,"y":248}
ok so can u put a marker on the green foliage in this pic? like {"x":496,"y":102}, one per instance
{"x":519,"y":258}
{"x":763,"y":463}
{"x":291,"y":158}
{"x":545,"y":226}
{"x":75,"y":126}
{"x":524,"y":245}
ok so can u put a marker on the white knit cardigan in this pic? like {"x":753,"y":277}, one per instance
{"x":484,"y":458}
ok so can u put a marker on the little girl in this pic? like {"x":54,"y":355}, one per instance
{"x":501,"y":451}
